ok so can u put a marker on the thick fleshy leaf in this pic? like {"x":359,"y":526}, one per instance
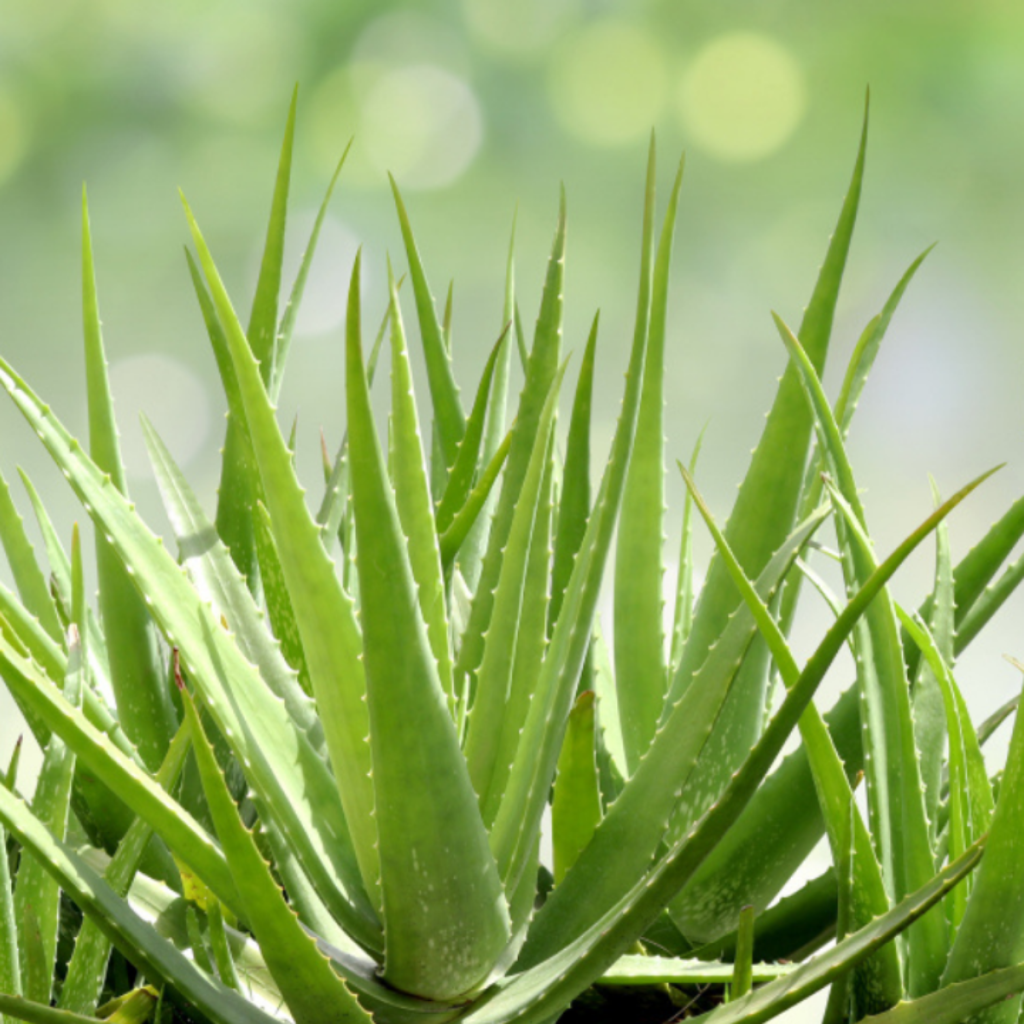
{"x":136,"y":669}
{"x":412,"y":498}
{"x":136,"y":939}
{"x":282,"y":766}
{"x":302,"y":973}
{"x":238,"y":489}
{"x":628,"y":838}
{"x":899,"y":821}
{"x":641,"y":672}
{"x":576,"y":803}
{"x":444,"y":392}
{"x":326,"y":616}
{"x":445,"y":917}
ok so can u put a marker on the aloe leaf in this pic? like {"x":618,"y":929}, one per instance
{"x":282,"y":766}
{"x":444,"y":392}
{"x":498,"y":709}
{"x":743,"y":965}
{"x":238,"y":481}
{"x":120,"y":774}
{"x":445,"y":916}
{"x":970,"y":803}
{"x":988,"y":603}
{"x":283,"y":622}
{"x":790,"y":929}
{"x":682,"y":618}
{"x":86,"y":972}
{"x":640,"y":667}
{"x":412,"y":497}
{"x":541,"y":370}
{"x":286,"y":328}
{"x":767,"y":503}
{"x":302,"y":973}
{"x":574,"y":503}
{"x":782,"y":823}
{"x":899,"y":820}
{"x":536,"y":758}
{"x":529,"y":640}
{"x":772,"y":999}
{"x":136,"y":939}
{"x":461,"y":475}
{"x":629,"y":835}
{"x":136,"y":670}
{"x":470,"y":559}
{"x":28,"y":578}
{"x":862,"y":894}
{"x":654,"y":970}
{"x":536,"y":993}
{"x":455,"y":536}
{"x":37,"y":895}
{"x":965,"y":1000}
{"x":10,"y":961}
{"x":331,"y":514}
{"x":330,"y":633}
{"x":576,"y":804}
{"x":19,"y":1008}
{"x":991,"y":934}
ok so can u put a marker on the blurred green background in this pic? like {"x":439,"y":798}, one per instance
{"x":480,"y":106}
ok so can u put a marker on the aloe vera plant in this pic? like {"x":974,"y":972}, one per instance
{"x":321,"y":790}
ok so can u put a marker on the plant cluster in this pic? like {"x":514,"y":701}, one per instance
{"x":319,"y":791}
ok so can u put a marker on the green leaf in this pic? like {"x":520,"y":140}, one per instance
{"x":445,"y":916}
{"x":444,"y":392}
{"x":412,"y":498}
{"x":540,"y":373}
{"x":87,"y":969}
{"x":503,"y":692}
{"x":37,"y":895}
{"x":767,"y":503}
{"x":743,"y":966}
{"x":326,"y":616}
{"x":655,"y":970}
{"x":286,"y":328}
{"x":28,"y":579}
{"x":576,"y":805}
{"x":136,"y":939}
{"x":302,"y":973}
{"x":640,"y":668}
{"x":136,"y":672}
{"x":238,"y":490}
{"x":899,"y":821}
{"x":470,"y":559}
{"x":682,"y":621}
{"x":991,"y":934}
{"x":574,"y":504}
{"x":862,"y":894}
{"x":628,"y":838}
{"x":959,"y":1002}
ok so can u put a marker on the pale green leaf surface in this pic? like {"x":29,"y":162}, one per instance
{"x":655,"y":970}
{"x":639,"y":649}
{"x":445,"y":917}
{"x":129,"y":638}
{"x":330,"y":633}
{"x":133,"y":936}
{"x":301,"y":971}
{"x":412,"y":497}
{"x":444,"y":392}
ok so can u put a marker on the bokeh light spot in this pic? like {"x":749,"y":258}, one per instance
{"x":174,"y":400}
{"x":742,"y":97}
{"x":421,"y":123}
{"x":13,"y":136}
{"x":608,"y":83}
{"x":519,"y":28}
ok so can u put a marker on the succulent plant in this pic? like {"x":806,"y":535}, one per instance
{"x":321,"y":788}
